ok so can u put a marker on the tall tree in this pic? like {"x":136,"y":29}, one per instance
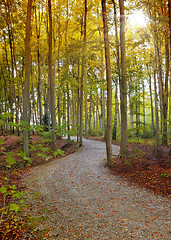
{"x":27,"y":76}
{"x":114,"y":133}
{"x":50,"y":76}
{"x":169,"y":5}
{"x":123,"y":83}
{"x":109,"y":88}
{"x":83,"y":73}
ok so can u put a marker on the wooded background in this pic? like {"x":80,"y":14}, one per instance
{"x":54,"y":68}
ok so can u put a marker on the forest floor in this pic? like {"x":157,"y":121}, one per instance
{"x":145,"y":167}
{"x":13,"y":145}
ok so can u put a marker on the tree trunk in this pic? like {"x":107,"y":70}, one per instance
{"x":27,"y":76}
{"x":78,"y":99}
{"x":39,"y":101}
{"x":109,"y":88}
{"x":165,"y":97}
{"x":97,"y":116}
{"x":156,"y":98}
{"x":59,"y":49}
{"x":68,"y":105}
{"x":163,"y":91}
{"x":51,"y":78}
{"x":131,"y":111}
{"x":123,"y":83}
{"x":90,"y":113}
{"x":86,"y":115}
{"x":114,"y":133}
{"x":169,"y":5}
{"x":144,"y":123}
{"x":151,"y":101}
{"x":82,"y":73}
{"x":118,"y":71}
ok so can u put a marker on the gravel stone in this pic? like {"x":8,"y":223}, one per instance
{"x":81,"y":199}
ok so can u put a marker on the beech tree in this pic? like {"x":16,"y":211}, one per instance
{"x":50,"y":76}
{"x":27,"y":77}
{"x":109,"y":88}
{"x":82,"y":73}
{"x":123,"y":83}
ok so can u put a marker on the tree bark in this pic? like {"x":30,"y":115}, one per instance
{"x":39,"y":101}
{"x":123,"y":84}
{"x":51,"y":78}
{"x":156,"y":97}
{"x":131,"y":108}
{"x":151,"y":102}
{"x":118,"y":71}
{"x":83,"y":73}
{"x":109,"y":88}
{"x":114,"y":133}
{"x":169,"y":5}
{"x":27,"y":76}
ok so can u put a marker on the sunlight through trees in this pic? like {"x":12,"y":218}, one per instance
{"x":53,"y":71}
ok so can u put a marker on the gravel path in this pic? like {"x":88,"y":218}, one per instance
{"x":81,"y":199}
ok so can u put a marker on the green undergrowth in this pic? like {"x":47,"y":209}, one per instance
{"x":13,"y":160}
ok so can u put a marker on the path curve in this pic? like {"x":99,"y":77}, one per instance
{"x":81,"y":199}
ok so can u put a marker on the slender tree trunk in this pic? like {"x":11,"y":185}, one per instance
{"x":163,"y":91}
{"x":73,"y":110}
{"x":155,"y":96}
{"x":131,"y":110}
{"x":39,"y":101}
{"x":151,"y":101}
{"x":86,"y":110}
{"x":109,"y":88}
{"x":114,"y":133}
{"x":34,"y":104}
{"x":50,"y":77}
{"x":86,"y":115}
{"x":78,"y":99}
{"x":102,"y":91}
{"x":118,"y":71}
{"x":64,"y":108}
{"x":68,"y":106}
{"x":144,"y":123}
{"x":94,"y":120}
{"x":66,"y":62}
{"x":59,"y":49}
{"x":83,"y":73}
{"x":137,"y":113}
{"x":90,"y":113}
{"x":169,"y":5}
{"x":123,"y":83}
{"x":97,"y":116}
{"x":165,"y":97}
{"x":27,"y":76}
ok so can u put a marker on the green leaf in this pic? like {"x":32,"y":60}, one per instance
{"x":25,"y":205}
{"x":58,"y":152}
{"x":10,"y":160}
{"x":3,"y":189}
{"x":13,"y":207}
{"x":41,"y":155}
{"x":17,"y":195}
{"x":13,"y":187}
{"x":22,"y":201}
{"x":46,"y":149}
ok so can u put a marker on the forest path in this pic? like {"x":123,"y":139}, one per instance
{"x":81,"y":199}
